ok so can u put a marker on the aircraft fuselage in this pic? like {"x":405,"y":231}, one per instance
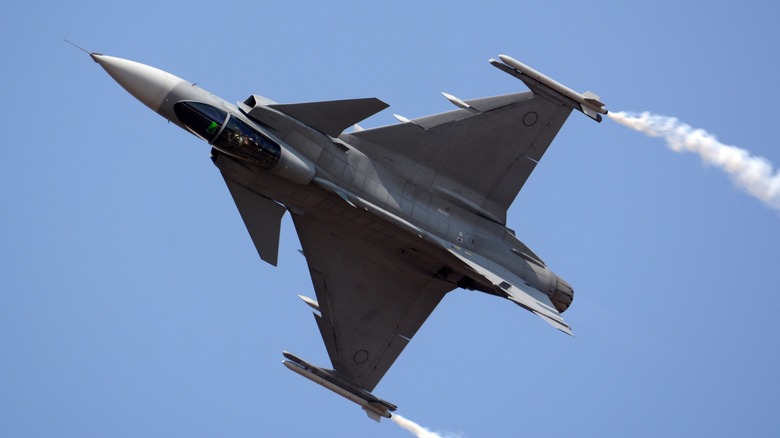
{"x":313,"y":173}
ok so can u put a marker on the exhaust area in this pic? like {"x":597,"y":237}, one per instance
{"x":416,"y":429}
{"x":753,"y":174}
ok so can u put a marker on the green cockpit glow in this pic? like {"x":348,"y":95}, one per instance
{"x":212,"y":128}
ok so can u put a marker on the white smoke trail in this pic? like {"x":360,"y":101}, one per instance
{"x":754,"y":174}
{"x":416,"y":429}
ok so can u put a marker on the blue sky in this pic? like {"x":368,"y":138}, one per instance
{"x":133,"y":302}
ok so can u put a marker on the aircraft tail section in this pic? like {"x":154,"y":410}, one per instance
{"x":516,"y":289}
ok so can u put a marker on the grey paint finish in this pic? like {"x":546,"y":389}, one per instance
{"x":332,"y":117}
{"x":390,"y":219}
{"x":262,"y":217}
{"x":484,"y":158}
{"x":373,"y":292}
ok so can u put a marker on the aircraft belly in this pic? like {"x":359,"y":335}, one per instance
{"x":427,"y":214}
{"x":390,"y":218}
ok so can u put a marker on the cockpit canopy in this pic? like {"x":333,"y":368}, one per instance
{"x":228,"y":134}
{"x":204,"y":120}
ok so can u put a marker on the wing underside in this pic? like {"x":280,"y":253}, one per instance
{"x":375,"y":283}
{"x":373,"y":295}
{"x":483,"y":153}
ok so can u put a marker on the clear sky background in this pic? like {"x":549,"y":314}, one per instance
{"x":133,"y":303}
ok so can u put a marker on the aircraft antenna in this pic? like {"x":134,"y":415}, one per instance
{"x":91,"y":54}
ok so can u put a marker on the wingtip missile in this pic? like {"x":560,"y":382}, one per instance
{"x":375,"y":408}
{"x":588,"y":102}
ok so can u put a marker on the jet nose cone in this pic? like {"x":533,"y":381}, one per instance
{"x":147,"y":84}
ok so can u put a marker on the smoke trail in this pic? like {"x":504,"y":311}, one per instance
{"x":416,"y":429}
{"x":754,"y":174}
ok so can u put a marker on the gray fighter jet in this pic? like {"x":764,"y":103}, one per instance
{"x":390,"y":219}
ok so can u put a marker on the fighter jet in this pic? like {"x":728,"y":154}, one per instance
{"x":390,"y":219}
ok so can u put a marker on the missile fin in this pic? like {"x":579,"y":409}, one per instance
{"x":593,"y":98}
{"x":590,"y":112}
{"x":372,"y":414}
